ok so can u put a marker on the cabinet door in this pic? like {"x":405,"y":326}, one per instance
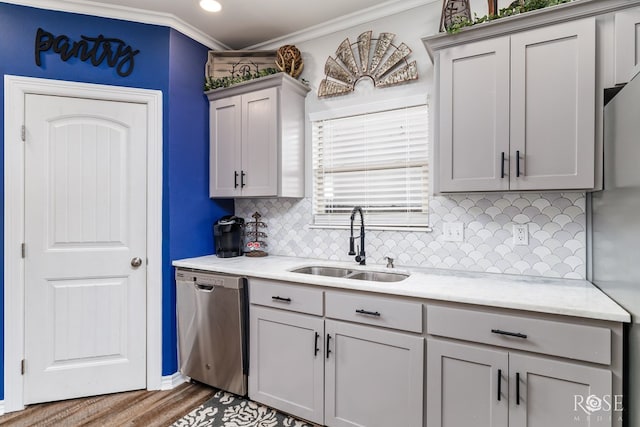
{"x":286,"y":362}
{"x":467,"y":385}
{"x":225,"y":147}
{"x":260,"y":143}
{"x":553,"y":107}
{"x":374,"y":377}
{"x":553,"y":393}
{"x":627,"y":44}
{"x":474,"y":117}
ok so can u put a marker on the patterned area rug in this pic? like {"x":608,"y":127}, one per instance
{"x":228,"y":410}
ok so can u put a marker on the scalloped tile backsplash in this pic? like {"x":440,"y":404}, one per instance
{"x":556,"y":222}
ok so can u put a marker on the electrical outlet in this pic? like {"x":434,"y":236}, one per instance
{"x":520,"y":234}
{"x":453,"y":231}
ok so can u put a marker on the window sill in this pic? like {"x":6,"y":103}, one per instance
{"x":425,"y":229}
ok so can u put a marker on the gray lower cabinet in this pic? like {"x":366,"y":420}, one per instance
{"x":552,"y":393}
{"x":495,"y":368}
{"x":336,"y":372}
{"x":465,"y":385}
{"x":287,"y":362}
{"x":471,"y":385}
{"x":346,"y":359}
{"x":373,"y":377}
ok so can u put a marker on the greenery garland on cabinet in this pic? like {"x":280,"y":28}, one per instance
{"x":211,"y":83}
{"x":515,"y":8}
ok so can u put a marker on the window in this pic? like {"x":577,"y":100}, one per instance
{"x":378,"y":161}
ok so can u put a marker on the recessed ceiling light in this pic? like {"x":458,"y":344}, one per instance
{"x":210,"y":5}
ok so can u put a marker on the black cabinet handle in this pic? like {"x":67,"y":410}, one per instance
{"x":369,"y":313}
{"x":517,"y":388}
{"x":315,"y":345}
{"x":235,"y":179}
{"x":242,"y":175}
{"x":502,"y":166}
{"x":277,"y":298}
{"x":510,"y":334}
{"x":499,"y":384}
{"x":328,"y":348}
{"x":518,"y":164}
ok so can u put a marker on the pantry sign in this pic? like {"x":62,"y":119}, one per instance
{"x":117,"y":53}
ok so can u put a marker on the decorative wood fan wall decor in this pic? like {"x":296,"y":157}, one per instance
{"x":386,"y":64}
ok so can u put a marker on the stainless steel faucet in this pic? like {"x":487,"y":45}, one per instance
{"x":361,"y":256}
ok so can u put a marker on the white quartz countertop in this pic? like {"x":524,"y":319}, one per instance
{"x":569,"y":297}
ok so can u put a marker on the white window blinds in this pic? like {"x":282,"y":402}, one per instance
{"x":377,"y":161}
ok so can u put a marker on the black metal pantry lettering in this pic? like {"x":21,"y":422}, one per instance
{"x":95,"y":49}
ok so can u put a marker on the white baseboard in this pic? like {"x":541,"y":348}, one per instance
{"x":1,"y":407}
{"x":172,"y":381}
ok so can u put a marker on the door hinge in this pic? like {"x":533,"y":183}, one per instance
{"x":22,"y":366}
{"x":23,"y":250}
{"x":23,"y":133}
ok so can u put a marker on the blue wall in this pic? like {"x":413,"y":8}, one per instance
{"x":168,"y":61}
{"x":191,"y":212}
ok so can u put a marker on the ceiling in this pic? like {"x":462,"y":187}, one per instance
{"x":246,"y":23}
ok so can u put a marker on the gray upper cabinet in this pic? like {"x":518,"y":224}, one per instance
{"x":473,"y":144}
{"x":627,"y":44}
{"x":553,"y":89}
{"x":256,"y":133}
{"x":517,"y":112}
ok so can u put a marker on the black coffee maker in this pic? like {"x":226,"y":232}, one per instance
{"x":228,"y":236}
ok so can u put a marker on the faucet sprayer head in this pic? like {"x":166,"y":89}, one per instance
{"x":351,"y":246}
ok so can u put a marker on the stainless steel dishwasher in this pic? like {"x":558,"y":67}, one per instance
{"x":212,"y":329}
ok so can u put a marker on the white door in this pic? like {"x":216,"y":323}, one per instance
{"x":85,"y":223}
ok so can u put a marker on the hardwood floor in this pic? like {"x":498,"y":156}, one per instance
{"x":134,"y":408}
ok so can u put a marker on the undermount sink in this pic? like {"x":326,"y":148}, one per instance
{"x":374,"y":276}
{"x":378,"y":276}
{"x":324,"y":271}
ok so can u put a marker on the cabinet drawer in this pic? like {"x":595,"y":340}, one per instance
{"x":379,"y":311}
{"x":287,"y":297}
{"x":556,"y":338}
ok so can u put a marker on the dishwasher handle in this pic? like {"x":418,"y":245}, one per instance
{"x":203,"y":288}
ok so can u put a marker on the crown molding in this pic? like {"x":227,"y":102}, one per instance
{"x":343,"y":23}
{"x":144,"y":16}
{"x":125,"y":13}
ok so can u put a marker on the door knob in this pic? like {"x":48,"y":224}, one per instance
{"x":136,"y":262}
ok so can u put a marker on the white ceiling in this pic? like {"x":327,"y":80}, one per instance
{"x":241,"y":23}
